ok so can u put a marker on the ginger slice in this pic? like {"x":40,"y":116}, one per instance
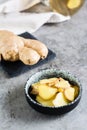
{"x":60,"y":100}
{"x":44,"y":102}
{"x":46,"y":92}
{"x":70,"y":93}
{"x":49,"y":82}
{"x":62,"y":83}
{"x":35,"y":88}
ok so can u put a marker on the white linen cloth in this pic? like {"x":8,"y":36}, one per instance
{"x":18,"y":22}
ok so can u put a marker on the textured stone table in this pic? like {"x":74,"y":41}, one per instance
{"x":69,"y":41}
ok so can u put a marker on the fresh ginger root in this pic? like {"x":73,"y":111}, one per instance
{"x":13,"y":48}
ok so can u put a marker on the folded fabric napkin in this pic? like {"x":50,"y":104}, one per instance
{"x":27,"y":15}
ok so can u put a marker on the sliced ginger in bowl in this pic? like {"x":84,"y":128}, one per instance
{"x":54,"y":91}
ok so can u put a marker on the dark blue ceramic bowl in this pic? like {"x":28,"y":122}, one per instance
{"x":49,"y":73}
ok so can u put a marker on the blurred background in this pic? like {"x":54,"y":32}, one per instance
{"x":29,"y":15}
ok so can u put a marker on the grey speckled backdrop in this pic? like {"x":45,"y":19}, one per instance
{"x":69,"y":41}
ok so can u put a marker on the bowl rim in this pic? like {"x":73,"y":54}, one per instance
{"x":52,"y":107}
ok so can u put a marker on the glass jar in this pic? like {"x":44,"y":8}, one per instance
{"x":66,"y":7}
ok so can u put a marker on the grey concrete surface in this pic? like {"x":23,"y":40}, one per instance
{"x":69,"y":41}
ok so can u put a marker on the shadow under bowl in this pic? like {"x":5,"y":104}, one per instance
{"x":49,"y":73}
